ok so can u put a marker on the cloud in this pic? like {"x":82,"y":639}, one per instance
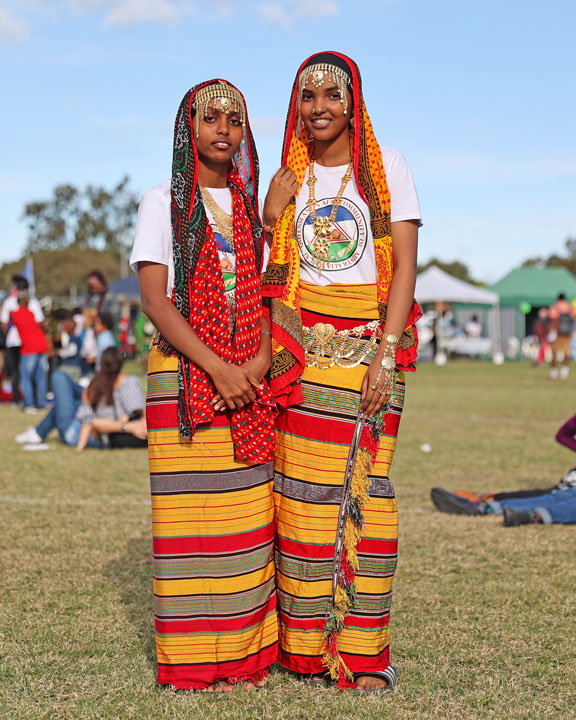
{"x":117,"y":13}
{"x":275,"y":14}
{"x":224,"y":9}
{"x":133,"y":12}
{"x":286,"y":12}
{"x":12,"y":29}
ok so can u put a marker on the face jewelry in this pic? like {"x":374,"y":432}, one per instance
{"x":323,"y":225}
{"x":321,"y":72}
{"x":318,"y":78}
{"x":220,"y":96}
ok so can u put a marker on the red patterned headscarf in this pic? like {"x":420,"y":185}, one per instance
{"x":199,"y":286}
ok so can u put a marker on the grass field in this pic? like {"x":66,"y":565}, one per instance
{"x":483,"y":619}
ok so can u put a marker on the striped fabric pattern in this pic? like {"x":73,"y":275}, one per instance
{"x":313,"y":440}
{"x":212,"y":519}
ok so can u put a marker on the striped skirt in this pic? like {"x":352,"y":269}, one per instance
{"x":213,"y":539}
{"x":313,"y":441}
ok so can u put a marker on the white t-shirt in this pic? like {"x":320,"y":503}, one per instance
{"x":11,"y":305}
{"x":351,"y":245}
{"x":153,"y":236}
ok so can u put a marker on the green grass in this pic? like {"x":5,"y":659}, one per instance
{"x":482,"y":618}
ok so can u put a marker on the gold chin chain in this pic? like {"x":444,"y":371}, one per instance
{"x":325,"y":346}
{"x":224,"y":221}
{"x":323,"y":225}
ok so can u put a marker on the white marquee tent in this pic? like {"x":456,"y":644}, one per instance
{"x":434,"y":285}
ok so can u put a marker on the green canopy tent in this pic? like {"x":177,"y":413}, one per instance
{"x":539,"y":287}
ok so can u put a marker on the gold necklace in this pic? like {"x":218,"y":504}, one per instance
{"x":224,"y":221}
{"x":323,"y":225}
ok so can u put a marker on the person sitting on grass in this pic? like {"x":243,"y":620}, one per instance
{"x":104,"y":329}
{"x":111,"y":405}
{"x":70,"y":344}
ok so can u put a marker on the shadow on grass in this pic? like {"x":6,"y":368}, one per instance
{"x":132,"y":577}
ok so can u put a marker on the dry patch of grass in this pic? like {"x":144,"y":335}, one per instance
{"x":483,"y":623}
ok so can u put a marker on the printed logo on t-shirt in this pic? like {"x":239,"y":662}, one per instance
{"x":348,"y":238}
{"x":227,"y":260}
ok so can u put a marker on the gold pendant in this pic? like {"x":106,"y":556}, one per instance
{"x":322,"y":226}
{"x":320,"y":249}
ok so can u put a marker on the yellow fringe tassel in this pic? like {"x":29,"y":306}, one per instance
{"x":359,"y":487}
{"x":360,"y":482}
{"x":335,"y":665}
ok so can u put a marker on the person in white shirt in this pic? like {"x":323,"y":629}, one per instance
{"x":473,"y":327}
{"x":198,"y":251}
{"x":344,"y":216}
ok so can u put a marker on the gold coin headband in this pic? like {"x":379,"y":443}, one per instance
{"x":219,"y":96}
{"x":321,"y":72}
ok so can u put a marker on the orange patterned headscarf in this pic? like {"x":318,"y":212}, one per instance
{"x":281,"y":280}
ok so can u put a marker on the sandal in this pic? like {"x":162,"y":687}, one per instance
{"x":390,"y":675}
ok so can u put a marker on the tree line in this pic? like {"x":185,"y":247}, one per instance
{"x":75,"y":231}
{"x":79,"y":229}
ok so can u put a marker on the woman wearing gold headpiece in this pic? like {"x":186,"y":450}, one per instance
{"x":340,"y":282}
{"x":210,"y":414}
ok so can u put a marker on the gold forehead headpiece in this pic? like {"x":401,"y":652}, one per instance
{"x":321,"y":72}
{"x":220,"y":96}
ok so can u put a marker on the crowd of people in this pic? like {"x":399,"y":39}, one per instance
{"x":69,"y":366}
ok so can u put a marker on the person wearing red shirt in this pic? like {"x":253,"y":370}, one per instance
{"x":33,"y":354}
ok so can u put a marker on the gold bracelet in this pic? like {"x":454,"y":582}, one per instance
{"x":268,"y":229}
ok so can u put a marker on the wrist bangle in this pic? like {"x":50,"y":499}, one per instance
{"x":269,"y":229}
{"x":265,"y":332}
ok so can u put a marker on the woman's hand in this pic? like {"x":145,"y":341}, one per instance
{"x":235,"y":385}
{"x":283,"y":187}
{"x":258,"y":367}
{"x":372,"y":400}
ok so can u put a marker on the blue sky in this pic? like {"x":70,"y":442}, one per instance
{"x":478,"y":96}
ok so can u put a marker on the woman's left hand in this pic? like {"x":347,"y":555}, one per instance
{"x":258,"y":366}
{"x":372,"y":400}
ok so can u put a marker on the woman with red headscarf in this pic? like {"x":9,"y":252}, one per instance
{"x":198,"y":251}
{"x":344,"y":217}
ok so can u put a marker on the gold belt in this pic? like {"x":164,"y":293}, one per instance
{"x":325,"y":346}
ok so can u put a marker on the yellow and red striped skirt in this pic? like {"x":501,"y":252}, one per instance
{"x":213,"y":537}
